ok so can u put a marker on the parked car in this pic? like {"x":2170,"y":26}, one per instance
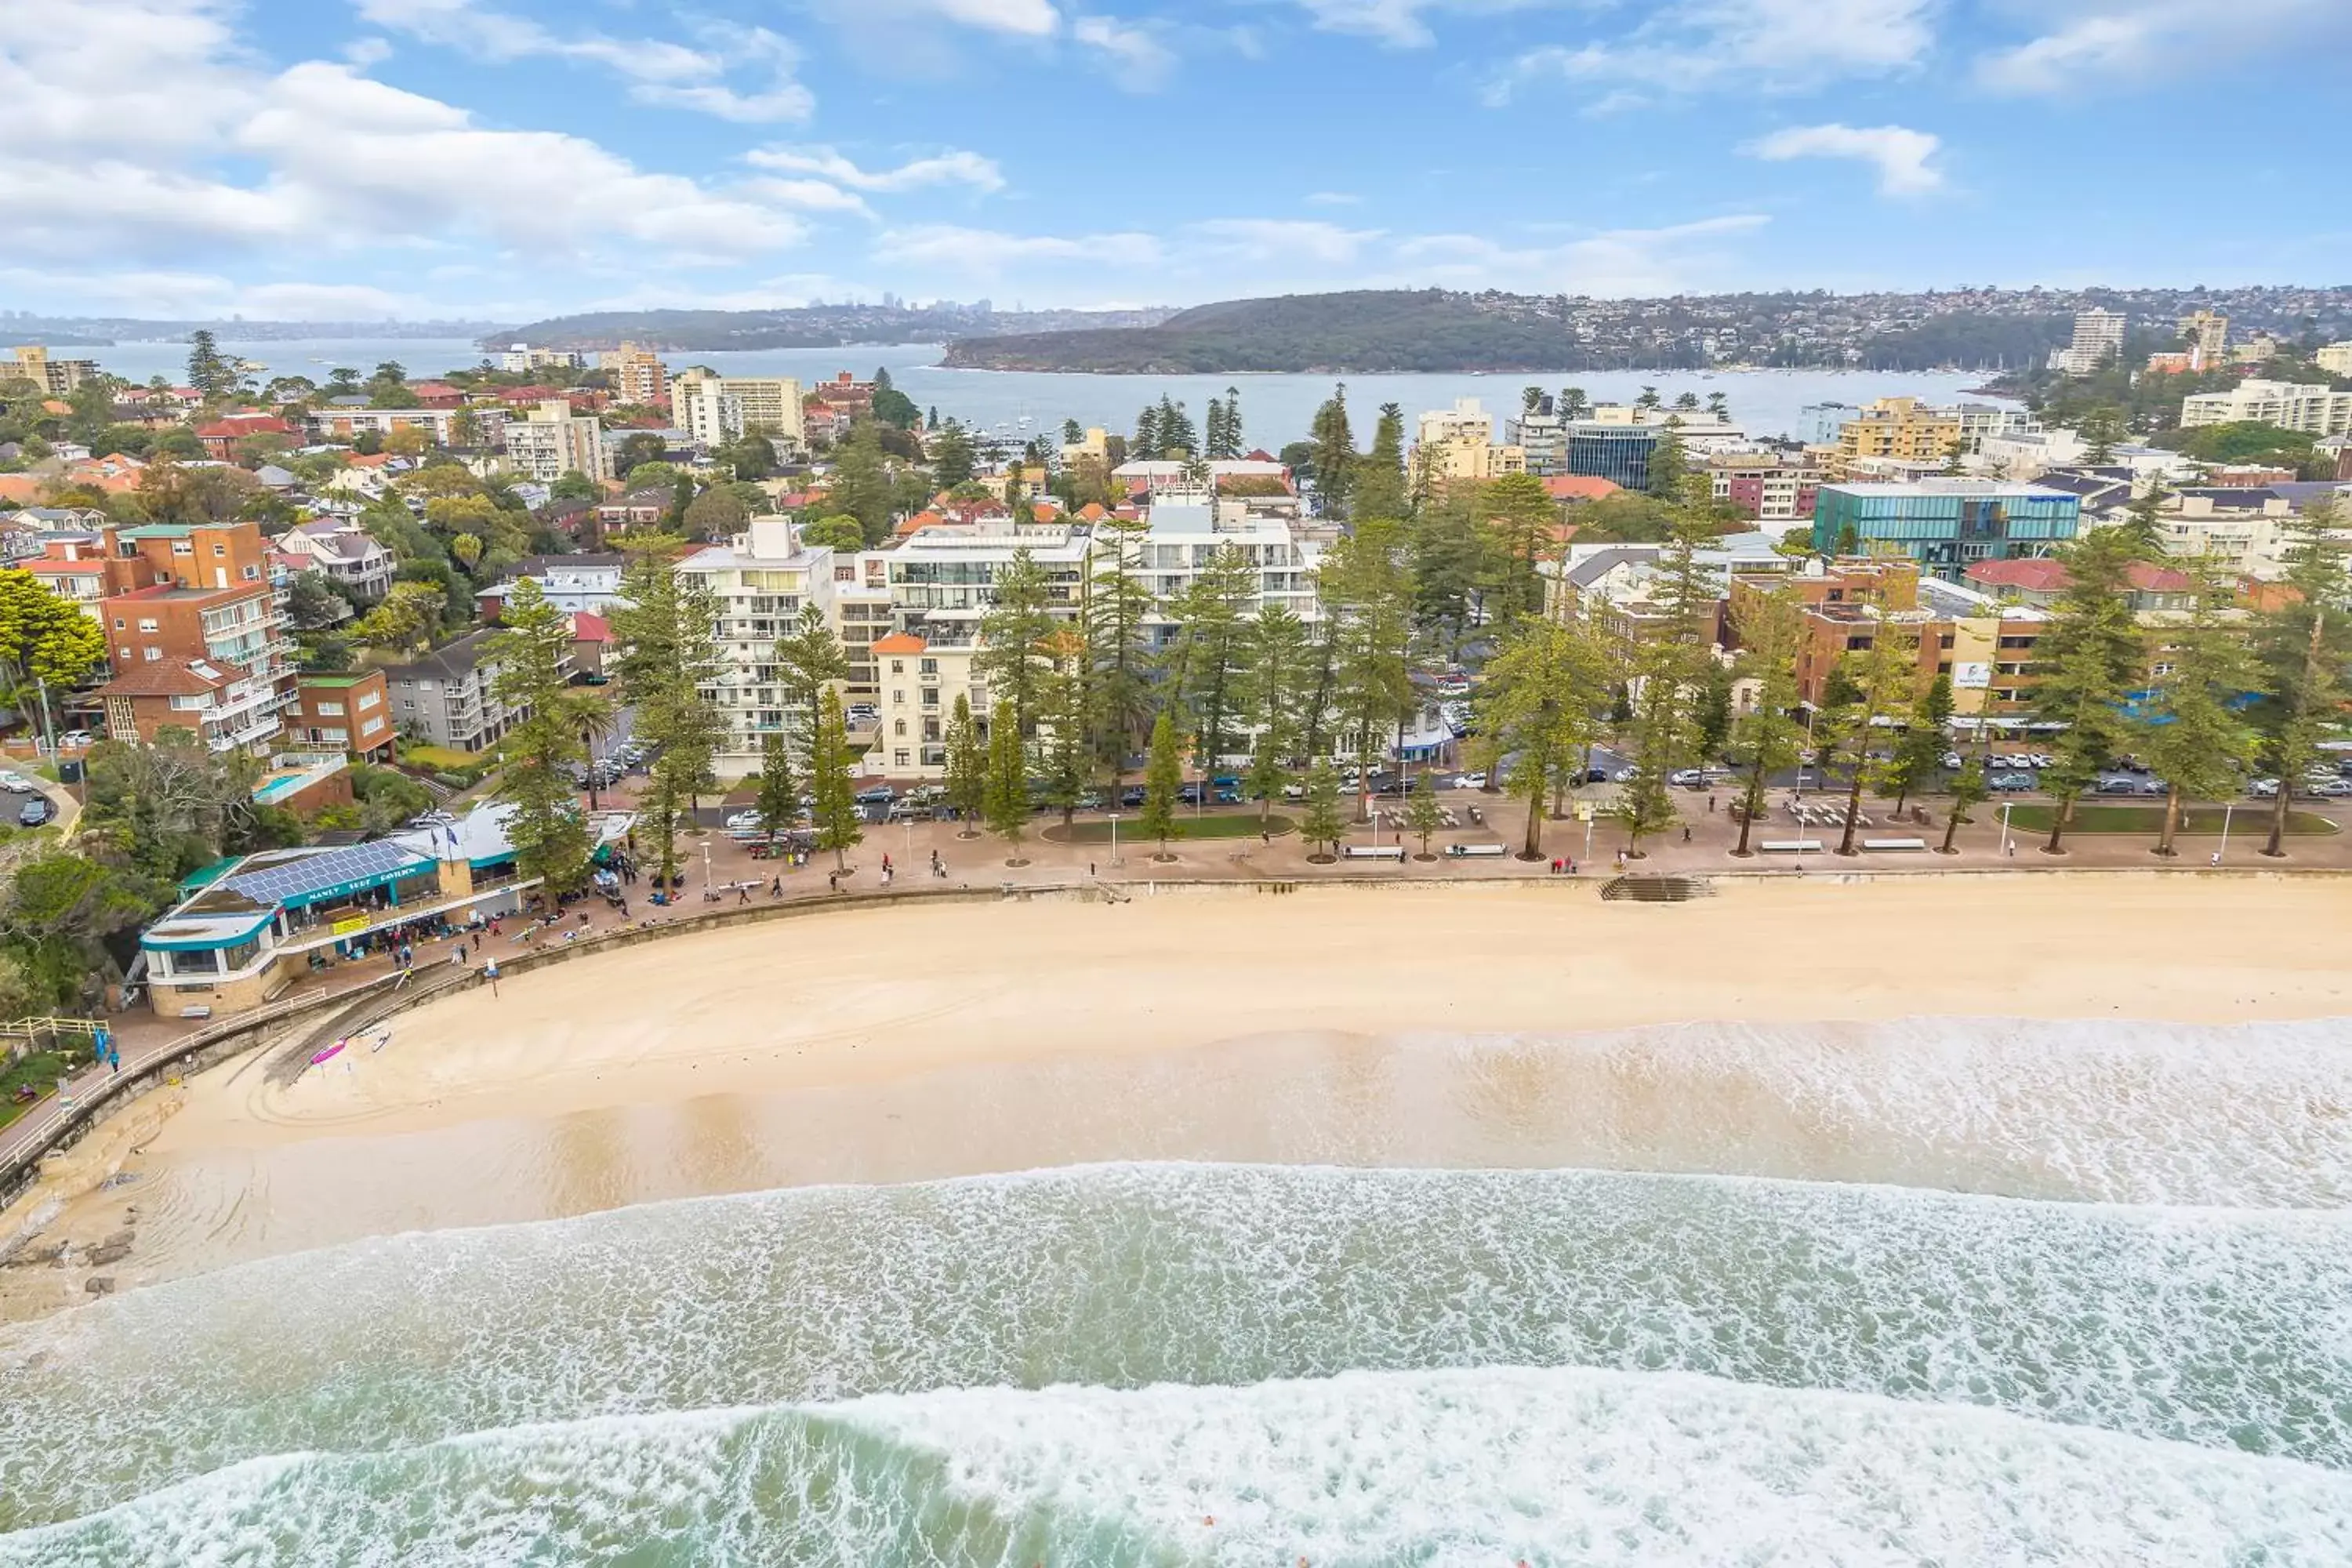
{"x":1951,"y":761}
{"x":1687,"y":778}
{"x":15,"y":783}
{"x":2117,"y":784}
{"x":907,"y":808}
{"x":1294,"y":792}
{"x":2329,"y":789}
{"x":1470,"y":781}
{"x":75,"y":738}
{"x":33,"y":813}
{"x":1091,"y":800}
{"x":1132,"y":796}
{"x":2263,"y":789}
{"x":2011,"y":782}
{"x":2040,"y":760}
{"x":876,"y":795}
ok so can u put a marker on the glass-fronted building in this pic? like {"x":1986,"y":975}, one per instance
{"x":1618,"y":453}
{"x":1946,"y":525}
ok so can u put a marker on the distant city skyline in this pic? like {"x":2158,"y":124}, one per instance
{"x":508,"y":161}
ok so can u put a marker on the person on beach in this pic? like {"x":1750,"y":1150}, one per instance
{"x":490,"y":973}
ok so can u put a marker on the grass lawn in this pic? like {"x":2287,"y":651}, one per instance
{"x":2201,"y":821}
{"x":41,"y":1069}
{"x":440,"y":759}
{"x":1240,"y":825}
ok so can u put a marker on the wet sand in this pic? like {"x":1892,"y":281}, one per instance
{"x":902,"y":1044}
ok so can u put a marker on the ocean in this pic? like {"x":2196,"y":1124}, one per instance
{"x":1275,"y":409}
{"x":2082,"y":1294}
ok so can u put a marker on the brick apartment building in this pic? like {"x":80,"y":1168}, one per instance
{"x":203,"y":646}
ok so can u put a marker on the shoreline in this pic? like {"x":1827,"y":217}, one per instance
{"x":932,"y":1040}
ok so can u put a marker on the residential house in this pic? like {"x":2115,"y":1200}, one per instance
{"x":2042,"y":582}
{"x":221,"y":436}
{"x":343,"y":552}
{"x":572,"y":583}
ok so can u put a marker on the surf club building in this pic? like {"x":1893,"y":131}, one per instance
{"x":250,"y":927}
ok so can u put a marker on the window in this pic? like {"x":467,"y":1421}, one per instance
{"x":145,"y":625}
{"x":1947,"y":640}
{"x":182,"y":547}
{"x":899,"y":728}
{"x":220,"y":552}
{"x":153,"y":654}
{"x":898,"y":667}
{"x":330,"y":710}
{"x":899,"y":758}
{"x":929,"y":666}
{"x":367,"y":700}
{"x":252,"y":574}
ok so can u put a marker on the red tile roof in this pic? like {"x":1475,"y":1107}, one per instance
{"x":2146,"y":579}
{"x":169,"y":677}
{"x":2038,"y":575}
{"x":590,"y":627}
{"x":900,"y":642}
{"x":1579,"y":486}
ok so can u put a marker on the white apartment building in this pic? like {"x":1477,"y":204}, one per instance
{"x":714,"y":409}
{"x":520,"y":359}
{"x":2206,"y":333}
{"x":919,"y":679}
{"x":943,"y":580}
{"x":1163,"y":476}
{"x":548,"y":441}
{"x":1467,"y":420}
{"x":638,"y":374}
{"x":2335,"y":359}
{"x":587,"y":584}
{"x":1184,"y":539}
{"x":2290,"y":405}
{"x":2097,"y":335}
{"x":2245,"y":541}
{"x":440,"y":426}
{"x":761,"y":579}
{"x":861,"y":605}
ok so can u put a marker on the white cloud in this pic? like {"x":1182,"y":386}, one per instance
{"x":954,"y":167}
{"x":1899,"y":154}
{"x":1028,"y":18}
{"x":662,"y":73}
{"x":1774,"y":45}
{"x":1399,"y":23}
{"x":2107,"y":44}
{"x":986,"y":252}
{"x":1283,"y":239}
{"x":1144,"y":59}
{"x":1332,"y":199}
{"x":1620,"y":263}
{"x":808,"y":195}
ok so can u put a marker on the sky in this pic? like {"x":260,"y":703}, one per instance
{"x":512,"y":159}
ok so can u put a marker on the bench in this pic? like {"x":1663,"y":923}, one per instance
{"x":196,"y":1012}
{"x":1463,"y":851}
{"x":1373,"y":851}
{"x":1790,"y":846}
{"x":1895,"y":844}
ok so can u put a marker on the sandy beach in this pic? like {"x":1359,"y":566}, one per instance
{"x":890,"y":1044}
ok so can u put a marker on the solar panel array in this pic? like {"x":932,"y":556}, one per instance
{"x":312,"y":873}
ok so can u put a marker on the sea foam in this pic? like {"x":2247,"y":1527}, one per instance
{"x":1599,"y":1469}
{"x":2232,"y":1329}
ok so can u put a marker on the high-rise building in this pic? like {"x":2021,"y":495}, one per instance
{"x":2206,"y":333}
{"x":548,"y":441}
{"x":638,"y":375}
{"x":54,"y":377}
{"x":1944,"y":524}
{"x":1618,"y":453}
{"x":763,"y":579}
{"x":2098,"y":335}
{"x":714,"y":409}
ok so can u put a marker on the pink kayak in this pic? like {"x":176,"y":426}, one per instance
{"x":330,"y":1051}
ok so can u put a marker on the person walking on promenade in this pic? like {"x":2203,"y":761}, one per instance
{"x":776,"y":888}
{"x":490,"y":973}
{"x":833,"y":881}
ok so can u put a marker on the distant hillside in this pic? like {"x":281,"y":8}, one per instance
{"x":1356,"y":332}
{"x":809,"y":327}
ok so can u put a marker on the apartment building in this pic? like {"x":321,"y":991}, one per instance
{"x":342,"y":713}
{"x":2098,"y":336}
{"x":1944,"y":524}
{"x":547,"y":441}
{"x":761,"y":579}
{"x":1903,"y":429}
{"x":2335,"y":359}
{"x":943,"y":580}
{"x":1771,"y":486}
{"x":89,"y":570}
{"x":2206,"y":333}
{"x":920,"y":680}
{"x":861,"y":604}
{"x":2306,"y":406}
{"x":1618,"y":453}
{"x":714,"y":409}
{"x":1467,"y":420}
{"x":638,"y":375}
{"x":204,"y":647}
{"x":449,"y":697}
{"x":521,"y":359}
{"x":1620,"y":587}
{"x":589,"y":582}
{"x":1184,"y":540}
{"x":55,"y":376}
{"x":485,"y":425}
{"x":1986,"y":648}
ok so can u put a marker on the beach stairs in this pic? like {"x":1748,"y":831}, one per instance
{"x":1656,"y":890}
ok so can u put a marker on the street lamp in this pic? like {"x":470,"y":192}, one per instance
{"x":2005,"y":809}
{"x":1114,"y":838}
{"x":2228,"y":808}
{"x":707,"y":890}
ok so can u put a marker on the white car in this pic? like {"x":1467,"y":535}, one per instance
{"x":2263,"y":789}
{"x":15,"y":783}
{"x":1470,"y":781}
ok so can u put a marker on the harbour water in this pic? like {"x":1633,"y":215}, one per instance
{"x":1961,"y":1291}
{"x":1275,"y":409}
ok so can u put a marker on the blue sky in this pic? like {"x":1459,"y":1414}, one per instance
{"x":512,"y":158}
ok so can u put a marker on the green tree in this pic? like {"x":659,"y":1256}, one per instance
{"x":2192,"y":732}
{"x":779,"y":802}
{"x":1163,"y":772}
{"x":810,"y":662}
{"x":862,"y":485}
{"x":1007,"y":800}
{"x":403,"y":620}
{"x":59,"y":912}
{"x":1768,"y":738}
{"x":1919,"y":754}
{"x":1212,"y":654}
{"x":664,"y":625}
{"x":966,"y":768}
{"x":1538,"y":699}
{"x":1523,"y":527}
{"x":1334,"y":460}
{"x":1451,"y":567}
{"x":1711,"y":710}
{"x":1065,"y":732}
{"x":1422,"y":814}
{"x":1882,"y":680}
{"x":892,"y":406}
{"x":1669,"y":470}
{"x":1968,"y":790}
{"x":1380,"y":480}
{"x":45,"y":640}
{"x":717,"y":514}
{"x":2091,"y":653}
{"x":1278,"y":662}
{"x":1010,"y":658}
{"x":531,"y":651}
{"x":209,"y":370}
{"x":2145,"y":521}
{"x":839,"y":828}
{"x":1266,"y":775}
{"x":1368,"y":600}
{"x":2303,"y":645}
{"x":1324,"y":823}
{"x":1116,"y":608}
{"x":951,"y":454}
{"x":841,"y":533}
